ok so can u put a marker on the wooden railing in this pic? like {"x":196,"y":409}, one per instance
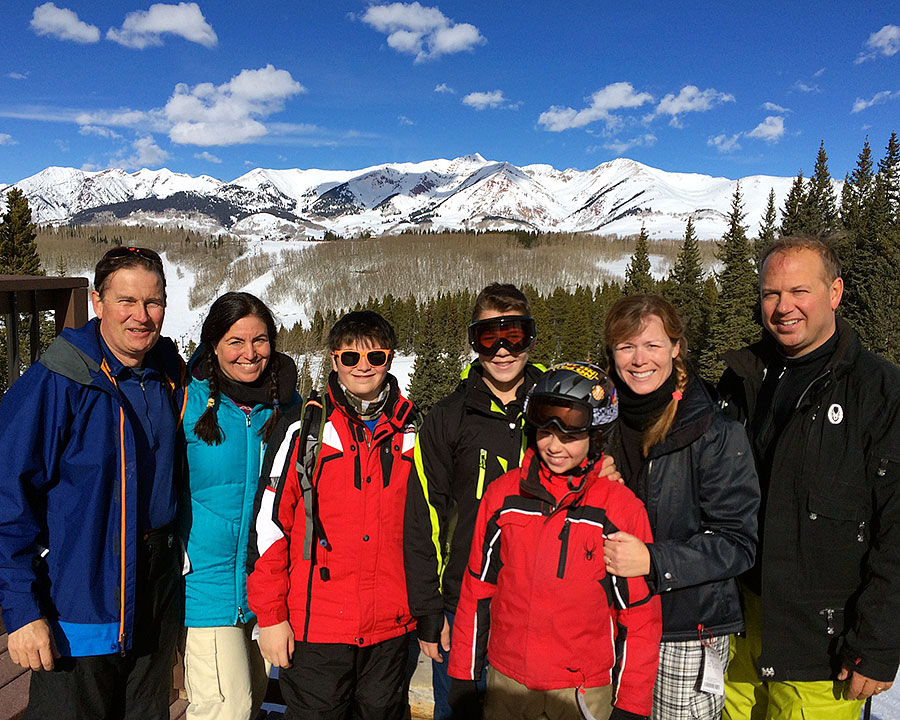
{"x":66,"y":297}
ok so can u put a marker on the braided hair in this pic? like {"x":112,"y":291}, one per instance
{"x":625,"y":319}
{"x":224,"y":313}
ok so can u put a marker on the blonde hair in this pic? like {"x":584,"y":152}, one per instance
{"x":624,"y":320}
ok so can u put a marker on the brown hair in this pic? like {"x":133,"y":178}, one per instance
{"x":120,"y":258}
{"x":502,"y":297}
{"x":360,"y":325}
{"x":829,"y":257}
{"x":624,"y":320}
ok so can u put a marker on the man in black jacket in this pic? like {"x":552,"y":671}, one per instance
{"x":823,"y":415}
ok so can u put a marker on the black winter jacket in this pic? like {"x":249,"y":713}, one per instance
{"x":702,"y":499}
{"x":467,"y":441}
{"x":830,"y":549}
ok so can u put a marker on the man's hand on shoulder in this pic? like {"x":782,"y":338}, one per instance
{"x":861,"y":687}
{"x":32,"y":646}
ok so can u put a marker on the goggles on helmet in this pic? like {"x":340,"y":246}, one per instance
{"x":514,"y":332}
{"x":568,"y":415}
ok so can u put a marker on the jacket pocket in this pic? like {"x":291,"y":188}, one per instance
{"x":837,"y":528}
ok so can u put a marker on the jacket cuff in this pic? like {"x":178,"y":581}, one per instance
{"x":428,"y":627}
{"x":19,"y":614}
{"x":871,"y":668}
{"x":268,"y":619}
{"x":652,"y":578}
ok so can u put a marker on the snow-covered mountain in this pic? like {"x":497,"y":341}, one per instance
{"x":616,"y":197}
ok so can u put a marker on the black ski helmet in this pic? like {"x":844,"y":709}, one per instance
{"x":573,"y":397}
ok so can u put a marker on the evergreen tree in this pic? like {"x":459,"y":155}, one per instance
{"x":853,"y":249}
{"x":575,"y":336}
{"x":793,"y":215}
{"x":889,"y":170}
{"x":857,"y":189}
{"x":304,"y":379}
{"x":734,"y":324}
{"x":637,"y":275}
{"x":687,"y":290}
{"x":18,"y":251}
{"x":432,"y":376}
{"x":544,"y":347}
{"x":604,"y":298}
{"x":821,"y":206}
{"x":873,"y":301}
{"x":768,"y":229}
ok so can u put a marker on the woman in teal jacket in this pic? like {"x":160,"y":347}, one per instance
{"x":239,"y":385}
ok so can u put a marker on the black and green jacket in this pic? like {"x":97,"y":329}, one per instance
{"x":468,"y":440}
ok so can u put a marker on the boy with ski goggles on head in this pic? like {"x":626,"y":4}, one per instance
{"x":469,"y":439}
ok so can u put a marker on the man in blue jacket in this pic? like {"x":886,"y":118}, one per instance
{"x":90,"y":583}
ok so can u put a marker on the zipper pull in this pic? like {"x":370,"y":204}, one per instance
{"x":122,"y":639}
{"x":240,"y":614}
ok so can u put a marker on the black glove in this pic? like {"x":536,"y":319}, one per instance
{"x":620,"y":714}
{"x":463,"y":699}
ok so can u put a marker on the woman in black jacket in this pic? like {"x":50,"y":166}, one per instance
{"x":693,"y":468}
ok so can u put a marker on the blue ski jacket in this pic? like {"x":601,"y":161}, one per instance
{"x":216,"y":510}
{"x":69,"y":492}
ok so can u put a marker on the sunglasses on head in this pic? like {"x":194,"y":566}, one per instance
{"x":351,"y":358}
{"x":567,"y":415}
{"x":123,"y":251}
{"x":513,"y":332}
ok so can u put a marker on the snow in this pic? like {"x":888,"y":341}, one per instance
{"x":616,"y":197}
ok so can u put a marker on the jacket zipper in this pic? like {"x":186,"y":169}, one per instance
{"x":563,"y":549}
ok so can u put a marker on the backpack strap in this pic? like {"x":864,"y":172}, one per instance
{"x":310,"y":442}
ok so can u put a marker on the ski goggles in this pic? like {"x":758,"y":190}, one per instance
{"x":513,"y":332}
{"x":567,"y":415}
{"x":350,"y":358}
{"x":122,"y":251}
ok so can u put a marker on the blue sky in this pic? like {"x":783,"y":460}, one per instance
{"x":214,"y":87}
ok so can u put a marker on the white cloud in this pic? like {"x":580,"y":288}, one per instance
{"x":690,"y":99}
{"x":878,"y":98}
{"x":422,"y":31}
{"x":724,"y":143}
{"x":612,"y":97}
{"x":771,"y":129}
{"x":623,"y":146}
{"x":806,"y":88}
{"x":444,"y":88}
{"x":403,"y":120}
{"x":230,"y":113}
{"x":772,"y":107}
{"x":6,"y":139}
{"x":122,"y":117}
{"x":144,"y":28}
{"x":98,"y":131}
{"x":62,"y":24}
{"x":17,"y":76}
{"x":819,"y":73}
{"x":146,"y":154}
{"x":884,"y":42}
{"x":208,"y":156}
{"x":484,"y":100}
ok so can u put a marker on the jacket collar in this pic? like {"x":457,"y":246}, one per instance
{"x":479,"y":397}
{"x":397,"y":409}
{"x":751,"y":361}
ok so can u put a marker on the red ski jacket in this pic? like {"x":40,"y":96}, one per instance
{"x":345,"y":581}
{"x":536,"y":596}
